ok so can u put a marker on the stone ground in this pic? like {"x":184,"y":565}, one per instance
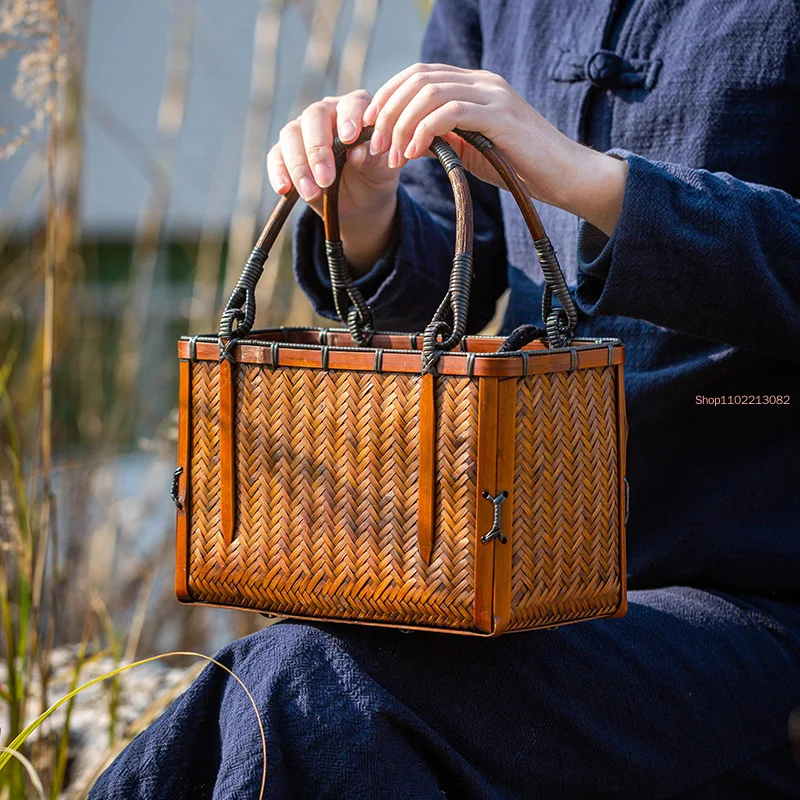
{"x":142,"y":694}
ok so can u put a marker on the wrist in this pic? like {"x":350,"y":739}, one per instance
{"x":375,"y":209}
{"x":596,"y":189}
{"x":366,"y":235}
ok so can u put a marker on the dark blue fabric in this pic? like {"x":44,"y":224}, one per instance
{"x":689,"y":695}
{"x":701,"y":279}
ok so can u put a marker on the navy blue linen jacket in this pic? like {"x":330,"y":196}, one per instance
{"x":700,"y":279}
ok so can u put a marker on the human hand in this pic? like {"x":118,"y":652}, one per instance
{"x":303,"y":157}
{"x":427,"y":100}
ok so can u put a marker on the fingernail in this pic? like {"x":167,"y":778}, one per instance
{"x":393,"y":157}
{"x":410,"y":150}
{"x":347,"y":131}
{"x":323,"y":173}
{"x":369,"y":114}
{"x":307,"y":189}
{"x":375,"y":144}
{"x":358,"y":155}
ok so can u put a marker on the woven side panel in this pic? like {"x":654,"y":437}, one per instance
{"x":327,"y":497}
{"x":565,"y":561}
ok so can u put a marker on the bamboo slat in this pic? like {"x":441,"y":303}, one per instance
{"x":326,"y":490}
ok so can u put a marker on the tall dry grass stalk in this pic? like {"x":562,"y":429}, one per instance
{"x":151,"y":223}
{"x":47,"y":516}
{"x":26,"y":29}
{"x":34,"y":28}
{"x":356,"y":48}
{"x":51,"y":72}
{"x":352,"y":64}
{"x":263,"y":85}
{"x":32,"y":470}
{"x":319,"y":59}
{"x":208,"y":264}
{"x":320,"y":52}
{"x":424,"y":7}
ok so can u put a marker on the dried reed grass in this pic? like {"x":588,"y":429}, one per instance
{"x":121,"y":604}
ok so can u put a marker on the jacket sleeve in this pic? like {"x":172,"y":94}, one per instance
{"x":406,"y":285}
{"x":698,"y":252}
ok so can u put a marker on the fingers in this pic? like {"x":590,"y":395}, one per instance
{"x":408,"y":111}
{"x":349,"y":114}
{"x":316,"y":130}
{"x":276,"y":170}
{"x":441,"y":121}
{"x":417,"y":103}
{"x":360,"y":157}
{"x":411,"y":135}
{"x":303,"y":156}
{"x":417,"y":96}
{"x":294,"y":157}
{"x":388,"y":88}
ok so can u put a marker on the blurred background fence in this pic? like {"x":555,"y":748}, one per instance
{"x":133,"y":185}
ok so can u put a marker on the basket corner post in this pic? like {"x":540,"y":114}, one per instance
{"x":181,"y":494}
{"x":622,"y":608}
{"x":485,"y":506}
{"x":624,"y":494}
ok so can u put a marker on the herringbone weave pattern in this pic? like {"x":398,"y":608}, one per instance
{"x":565,"y":558}
{"x":327,"y":466}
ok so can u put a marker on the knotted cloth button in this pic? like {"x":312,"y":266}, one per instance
{"x":606,"y":70}
{"x":603,"y":69}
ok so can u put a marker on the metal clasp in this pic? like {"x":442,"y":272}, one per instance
{"x":627,"y":500}
{"x":174,"y":493}
{"x":495,"y":532}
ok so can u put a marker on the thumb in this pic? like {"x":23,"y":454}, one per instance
{"x":360,"y":158}
{"x":370,"y":172}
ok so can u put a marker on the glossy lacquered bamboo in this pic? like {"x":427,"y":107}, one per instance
{"x":301,"y":348}
{"x":323,"y":514}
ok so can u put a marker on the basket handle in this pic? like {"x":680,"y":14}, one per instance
{"x":559,"y":321}
{"x":439,"y":336}
{"x":239,"y":314}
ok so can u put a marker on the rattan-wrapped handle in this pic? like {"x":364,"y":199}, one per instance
{"x":559,"y":321}
{"x":440,"y":335}
{"x":239,"y":315}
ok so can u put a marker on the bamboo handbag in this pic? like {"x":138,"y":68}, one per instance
{"x":424,"y":481}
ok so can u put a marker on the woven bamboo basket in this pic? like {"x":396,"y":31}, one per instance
{"x":430,"y":481}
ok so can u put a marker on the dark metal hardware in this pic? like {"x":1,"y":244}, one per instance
{"x":174,"y":493}
{"x":627,"y":500}
{"x":495,"y":532}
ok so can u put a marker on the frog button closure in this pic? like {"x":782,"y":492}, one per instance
{"x":603,"y":68}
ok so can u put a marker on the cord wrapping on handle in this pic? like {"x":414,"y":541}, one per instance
{"x":358,"y":317}
{"x":241,"y":307}
{"x":446,"y":155}
{"x":350,"y":305}
{"x":439,"y":336}
{"x":560,"y":322}
{"x":355,"y":314}
{"x":477,"y":140}
{"x":239,"y":315}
